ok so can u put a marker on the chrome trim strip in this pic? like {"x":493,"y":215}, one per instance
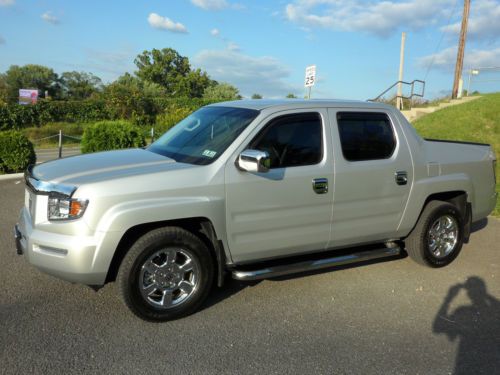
{"x":312,"y":265}
{"x":46,"y":188}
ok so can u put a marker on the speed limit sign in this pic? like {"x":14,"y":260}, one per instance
{"x":310,"y":76}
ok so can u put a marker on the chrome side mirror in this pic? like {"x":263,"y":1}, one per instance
{"x":254,"y":161}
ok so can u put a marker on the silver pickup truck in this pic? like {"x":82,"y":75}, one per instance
{"x":254,"y":189}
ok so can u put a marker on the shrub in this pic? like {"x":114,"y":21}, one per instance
{"x":169,"y":118}
{"x":16,"y":152}
{"x":15,"y":116}
{"x":112,"y":135}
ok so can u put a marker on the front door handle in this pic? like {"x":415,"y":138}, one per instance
{"x":401,"y":177}
{"x":320,"y":185}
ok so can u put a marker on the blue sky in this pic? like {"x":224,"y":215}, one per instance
{"x":259,"y":46}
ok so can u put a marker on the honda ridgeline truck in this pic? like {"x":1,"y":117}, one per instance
{"x":253,"y":189}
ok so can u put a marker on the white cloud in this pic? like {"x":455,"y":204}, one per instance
{"x":50,"y":18}
{"x":232,"y":46}
{"x":2,"y":40}
{"x":164,"y":23}
{"x":484,"y":21}
{"x":264,"y":75}
{"x":6,"y":3}
{"x":211,"y":4}
{"x":445,"y":59}
{"x":380,"y":18}
{"x":217,"y":4}
{"x":215,"y":32}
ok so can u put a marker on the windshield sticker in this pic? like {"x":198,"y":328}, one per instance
{"x":209,"y":153}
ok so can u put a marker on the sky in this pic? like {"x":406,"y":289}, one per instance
{"x":261,"y":46}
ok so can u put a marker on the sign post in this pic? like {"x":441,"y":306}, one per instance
{"x":310,"y":78}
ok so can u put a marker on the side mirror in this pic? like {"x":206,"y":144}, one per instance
{"x":254,"y":161}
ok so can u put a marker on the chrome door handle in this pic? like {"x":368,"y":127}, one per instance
{"x":401,"y":177}
{"x":320,"y":185}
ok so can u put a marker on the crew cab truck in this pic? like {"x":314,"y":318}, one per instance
{"x":254,"y":189}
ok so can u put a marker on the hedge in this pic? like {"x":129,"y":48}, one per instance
{"x":141,"y":112}
{"x":112,"y":135}
{"x":16,"y":152}
{"x":15,"y":116}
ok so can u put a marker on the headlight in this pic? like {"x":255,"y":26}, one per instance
{"x":66,"y":208}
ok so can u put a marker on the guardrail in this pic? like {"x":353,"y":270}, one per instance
{"x":60,"y":136}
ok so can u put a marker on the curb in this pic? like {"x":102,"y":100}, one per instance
{"x":11,"y":176}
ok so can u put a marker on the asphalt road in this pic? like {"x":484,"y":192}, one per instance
{"x":390,"y":317}
{"x":46,"y":154}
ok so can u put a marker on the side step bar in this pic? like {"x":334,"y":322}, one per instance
{"x":288,"y":269}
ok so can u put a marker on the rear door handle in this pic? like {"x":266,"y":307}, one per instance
{"x":320,"y":185}
{"x":401,"y":177}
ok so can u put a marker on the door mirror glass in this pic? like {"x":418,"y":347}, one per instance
{"x":254,"y":161}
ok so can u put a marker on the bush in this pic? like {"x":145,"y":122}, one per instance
{"x":169,"y":118}
{"x":15,"y":116}
{"x":16,"y":152}
{"x":113,"y":105}
{"x":112,"y":135}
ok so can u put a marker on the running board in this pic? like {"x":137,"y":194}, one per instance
{"x":312,"y":265}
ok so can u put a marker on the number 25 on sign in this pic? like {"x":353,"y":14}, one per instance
{"x":310,"y":76}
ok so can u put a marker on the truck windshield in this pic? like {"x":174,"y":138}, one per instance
{"x":204,"y":135}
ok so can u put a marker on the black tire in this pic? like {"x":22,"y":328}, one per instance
{"x":131,"y":274}
{"x":418,"y":243}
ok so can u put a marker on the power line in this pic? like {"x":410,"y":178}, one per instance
{"x":441,"y":40}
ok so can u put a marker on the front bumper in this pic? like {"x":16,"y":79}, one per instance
{"x":68,"y":257}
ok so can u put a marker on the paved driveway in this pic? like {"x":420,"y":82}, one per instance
{"x":392,"y":317}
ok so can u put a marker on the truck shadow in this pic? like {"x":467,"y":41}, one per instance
{"x":230,"y":288}
{"x":476,"y":326}
{"x":478,"y":225}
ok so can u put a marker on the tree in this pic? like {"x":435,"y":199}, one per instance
{"x":30,"y":77}
{"x":131,"y":98}
{"x":194,"y":84}
{"x":79,"y":85}
{"x":3,"y":90}
{"x":291,"y":96}
{"x":222,"y":91}
{"x":256,"y":96}
{"x":172,"y":71}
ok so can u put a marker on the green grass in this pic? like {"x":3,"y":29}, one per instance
{"x":36,"y":134}
{"x":476,"y":121}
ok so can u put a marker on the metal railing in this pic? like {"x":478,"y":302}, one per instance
{"x":60,"y":137}
{"x":413,"y":92}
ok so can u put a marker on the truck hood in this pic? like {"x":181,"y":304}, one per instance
{"x":101,"y":166}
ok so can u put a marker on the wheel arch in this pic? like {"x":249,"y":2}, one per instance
{"x":458,"y":198}
{"x":202,"y":227}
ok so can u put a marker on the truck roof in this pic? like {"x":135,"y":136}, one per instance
{"x":260,"y":104}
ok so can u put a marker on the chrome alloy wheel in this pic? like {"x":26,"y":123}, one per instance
{"x":443,"y":236}
{"x":169,"y":277}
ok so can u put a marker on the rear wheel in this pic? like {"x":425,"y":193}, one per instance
{"x":167,"y":274}
{"x":437,"y":238}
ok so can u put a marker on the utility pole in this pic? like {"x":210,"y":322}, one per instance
{"x":399,"y":99}
{"x":461,"y":49}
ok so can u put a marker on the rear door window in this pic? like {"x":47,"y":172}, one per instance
{"x":365,"y":135}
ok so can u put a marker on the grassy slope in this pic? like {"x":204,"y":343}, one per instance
{"x":477,"y":121}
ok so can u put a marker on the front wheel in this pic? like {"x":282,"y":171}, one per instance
{"x":166,"y":274}
{"x":437,"y":238}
